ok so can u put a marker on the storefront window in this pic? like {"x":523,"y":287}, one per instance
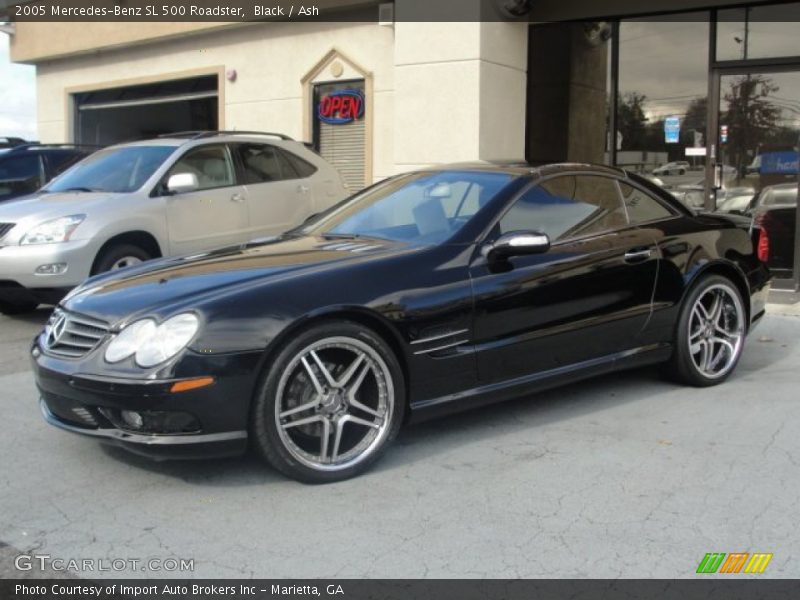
{"x":663,"y":97}
{"x":758,"y":32}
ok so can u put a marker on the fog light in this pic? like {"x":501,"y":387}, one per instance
{"x":132,"y":419}
{"x":51,"y":269}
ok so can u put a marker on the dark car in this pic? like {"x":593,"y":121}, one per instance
{"x":24,"y":168}
{"x":427,"y":293}
{"x":775,"y":212}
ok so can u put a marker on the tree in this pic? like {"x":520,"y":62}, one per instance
{"x":631,"y":122}
{"x":751,"y":117}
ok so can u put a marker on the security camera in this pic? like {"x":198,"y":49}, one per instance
{"x":514,"y":8}
{"x":598,"y":32}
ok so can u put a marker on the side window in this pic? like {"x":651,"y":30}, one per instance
{"x":287,"y":170}
{"x":21,"y":168}
{"x":211,"y":164}
{"x":304,"y":168}
{"x":566,"y":207}
{"x":262,"y":163}
{"x":641,"y":207}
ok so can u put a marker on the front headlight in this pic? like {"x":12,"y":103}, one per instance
{"x":153,"y":344}
{"x":53,"y":232}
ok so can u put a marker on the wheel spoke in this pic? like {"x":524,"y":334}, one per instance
{"x":716,"y":308}
{"x":353,"y":389}
{"x":337,"y":437}
{"x":323,"y":369}
{"x":298,"y":409}
{"x":697,"y":347}
{"x":705,"y":356}
{"x":313,"y":376}
{"x":375,"y":413}
{"x":348,"y":374}
{"x":323,"y":444}
{"x":299,"y":422}
{"x":725,"y":343}
{"x":364,"y":422}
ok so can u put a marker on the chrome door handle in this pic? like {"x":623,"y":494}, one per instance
{"x":638,"y":255}
{"x":237,"y":198}
{"x":303,"y":189}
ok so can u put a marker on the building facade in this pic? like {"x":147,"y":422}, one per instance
{"x":712,"y":86}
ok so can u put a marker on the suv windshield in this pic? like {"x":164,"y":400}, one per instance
{"x":113,"y":170}
{"x":425,"y":208}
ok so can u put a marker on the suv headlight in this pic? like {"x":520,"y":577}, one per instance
{"x":53,"y":232}
{"x":153,"y":344}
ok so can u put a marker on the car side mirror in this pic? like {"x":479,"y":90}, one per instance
{"x":180,"y":183}
{"x":519,"y":243}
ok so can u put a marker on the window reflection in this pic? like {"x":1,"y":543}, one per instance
{"x":758,"y":32}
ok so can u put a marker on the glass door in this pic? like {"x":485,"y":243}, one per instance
{"x":753,"y":160}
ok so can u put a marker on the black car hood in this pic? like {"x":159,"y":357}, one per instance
{"x":160,"y":286}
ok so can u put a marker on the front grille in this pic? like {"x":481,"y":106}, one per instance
{"x":71,"y":335}
{"x":5,"y":228}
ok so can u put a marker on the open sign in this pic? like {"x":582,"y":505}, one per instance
{"x":341,"y":106}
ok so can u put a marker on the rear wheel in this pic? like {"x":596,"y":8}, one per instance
{"x":711,"y":332}
{"x":330,"y":404}
{"x":120,"y":256}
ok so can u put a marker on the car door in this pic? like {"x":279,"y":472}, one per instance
{"x":278,"y":198}
{"x":213,"y":215}
{"x":586,"y":299}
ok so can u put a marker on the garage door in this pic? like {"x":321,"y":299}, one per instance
{"x":130,"y":113}
{"x":340,"y":129}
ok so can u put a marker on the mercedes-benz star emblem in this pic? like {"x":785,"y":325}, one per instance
{"x":57,"y":330}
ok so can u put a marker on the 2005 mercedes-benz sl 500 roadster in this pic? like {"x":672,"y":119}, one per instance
{"x":427,"y":293}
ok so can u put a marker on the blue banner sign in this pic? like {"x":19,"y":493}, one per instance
{"x":672,"y":130}
{"x":779,"y":163}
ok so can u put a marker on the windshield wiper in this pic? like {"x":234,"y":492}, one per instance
{"x":341,"y":236}
{"x":81,"y":189}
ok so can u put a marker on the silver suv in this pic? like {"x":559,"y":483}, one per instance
{"x":174,"y":195}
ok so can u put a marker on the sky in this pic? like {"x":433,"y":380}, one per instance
{"x":17,"y":96}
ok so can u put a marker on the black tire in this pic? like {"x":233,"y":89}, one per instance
{"x":112,"y":255}
{"x":276,"y":447}
{"x":682,"y":172}
{"x":17,"y":308}
{"x":683,"y":366}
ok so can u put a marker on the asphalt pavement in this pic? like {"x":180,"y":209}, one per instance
{"x":623,"y":476}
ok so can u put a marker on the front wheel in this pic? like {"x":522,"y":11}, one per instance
{"x":330,"y":403}
{"x":710,"y":334}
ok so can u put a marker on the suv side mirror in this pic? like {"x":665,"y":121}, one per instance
{"x":180,"y":183}
{"x":519,"y":243}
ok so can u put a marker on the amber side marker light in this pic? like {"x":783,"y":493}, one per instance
{"x":191,"y":384}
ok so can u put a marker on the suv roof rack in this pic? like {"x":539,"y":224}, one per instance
{"x":36,"y":146}
{"x":197,"y":135}
{"x":14,"y":141}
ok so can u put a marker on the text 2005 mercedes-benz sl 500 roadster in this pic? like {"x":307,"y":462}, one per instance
{"x":427,"y":293}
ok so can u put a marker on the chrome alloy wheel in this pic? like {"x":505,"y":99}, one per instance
{"x":716,"y":331}
{"x":334,"y":403}
{"x":126,"y":261}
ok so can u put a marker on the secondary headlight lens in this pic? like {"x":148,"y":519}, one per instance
{"x":171,"y":337}
{"x":53,"y":232}
{"x":130,"y":340}
{"x":153,"y":344}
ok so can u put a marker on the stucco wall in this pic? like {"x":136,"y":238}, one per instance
{"x":270,"y":60}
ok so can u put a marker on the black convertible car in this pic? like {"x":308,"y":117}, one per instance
{"x":424,"y":294}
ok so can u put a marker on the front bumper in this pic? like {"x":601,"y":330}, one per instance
{"x":18,"y":265}
{"x":90,"y":405}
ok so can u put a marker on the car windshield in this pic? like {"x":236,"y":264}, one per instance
{"x":119,"y":170}
{"x":425,"y":208}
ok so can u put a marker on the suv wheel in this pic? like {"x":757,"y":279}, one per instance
{"x":120,"y":256}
